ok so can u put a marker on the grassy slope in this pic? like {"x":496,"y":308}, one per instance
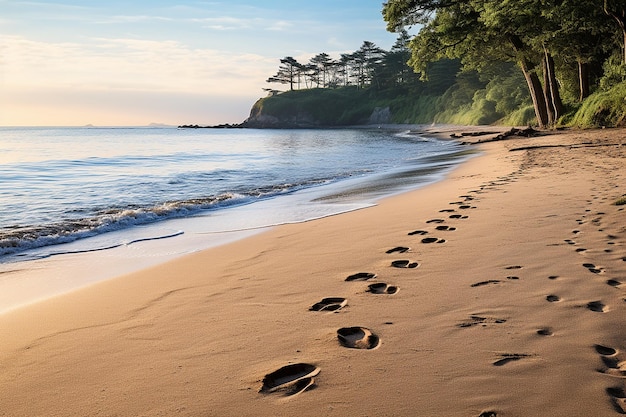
{"x":328,"y":107}
{"x":347,"y":106}
{"x":603,"y":108}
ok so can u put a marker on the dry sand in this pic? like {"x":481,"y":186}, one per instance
{"x":518,"y":309}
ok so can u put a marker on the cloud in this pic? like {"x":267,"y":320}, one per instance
{"x":225,"y":23}
{"x":280,"y":26}
{"x":126,"y":81}
{"x":132,"y":64}
{"x":135,"y":19}
{"x":244,"y":24}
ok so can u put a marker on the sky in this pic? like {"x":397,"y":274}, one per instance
{"x":133,"y":63}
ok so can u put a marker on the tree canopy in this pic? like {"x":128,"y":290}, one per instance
{"x":360,"y":68}
{"x":547,"y":39}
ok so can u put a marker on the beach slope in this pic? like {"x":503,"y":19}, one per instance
{"x":499,"y":291}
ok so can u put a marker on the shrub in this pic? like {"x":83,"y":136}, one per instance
{"x":603,"y":108}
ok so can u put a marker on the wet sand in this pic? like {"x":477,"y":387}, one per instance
{"x":499,"y":291}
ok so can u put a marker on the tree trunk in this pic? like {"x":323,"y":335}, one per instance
{"x":553,"y":86}
{"x":536,"y":93}
{"x":583,"y":80}
{"x":624,"y":33}
{"x":620,"y":17}
{"x":532,"y":79}
{"x":547,"y":91}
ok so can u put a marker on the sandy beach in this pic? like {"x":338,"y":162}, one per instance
{"x":501,"y":291}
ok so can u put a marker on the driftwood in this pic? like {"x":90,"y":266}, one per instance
{"x":529,"y":132}
{"x":464,"y":134}
{"x":571,"y":146}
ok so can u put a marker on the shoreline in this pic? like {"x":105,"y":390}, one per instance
{"x":515,"y":310}
{"x":36,"y":274}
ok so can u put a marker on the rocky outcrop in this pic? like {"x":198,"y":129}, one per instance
{"x":380,"y":116}
{"x":299,"y":120}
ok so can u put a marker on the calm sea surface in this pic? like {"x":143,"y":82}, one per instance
{"x":60,"y":185}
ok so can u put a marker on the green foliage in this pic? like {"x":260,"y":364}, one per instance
{"x":343,"y":106}
{"x":449,"y":96}
{"x":603,"y":108}
{"x":441,"y":76}
{"x":614,"y":72}
{"x":559,"y":45}
{"x":524,"y":116}
{"x":414,"y":109}
{"x":473,"y":62}
{"x":508,"y":91}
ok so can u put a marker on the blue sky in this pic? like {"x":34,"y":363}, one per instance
{"x":107,"y":63}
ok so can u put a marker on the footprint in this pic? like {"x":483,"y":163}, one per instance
{"x":329,"y":304}
{"x":418,"y":232}
{"x":433,"y":240}
{"x":357,"y":338}
{"x":553,"y":277}
{"x":614,"y":283}
{"x":488,"y":414}
{"x":481,"y":283}
{"x":436,"y":221}
{"x":510,"y":357}
{"x":399,"y":249}
{"x":613,"y":365}
{"x":605,"y":350}
{"x":475,"y":320}
{"x":593,"y":268}
{"x":458,"y":216}
{"x":513,"y":267}
{"x":553,"y":298}
{"x":446,"y":211}
{"x":382,"y":288}
{"x":292,"y":379}
{"x":570,"y":242}
{"x":546,"y":331}
{"x":597,"y":306}
{"x":512,"y":278}
{"x":618,"y":398}
{"x":361,"y":276}
{"x":580,"y":250}
{"x":446,"y":228}
{"x":404,"y":263}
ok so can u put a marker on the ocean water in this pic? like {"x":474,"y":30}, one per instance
{"x":97,"y":188}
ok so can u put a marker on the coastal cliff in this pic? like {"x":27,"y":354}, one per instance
{"x":317,"y":108}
